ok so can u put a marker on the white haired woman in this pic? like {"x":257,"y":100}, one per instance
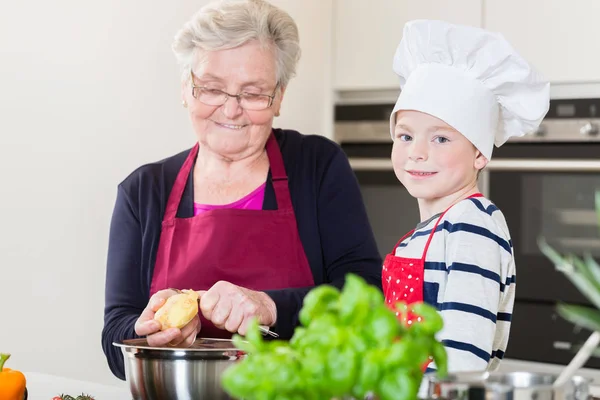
{"x":251,"y":217}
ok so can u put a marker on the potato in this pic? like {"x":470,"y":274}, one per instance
{"x":178,"y":310}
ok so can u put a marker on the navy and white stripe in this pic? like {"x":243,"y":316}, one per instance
{"x":470,"y":277}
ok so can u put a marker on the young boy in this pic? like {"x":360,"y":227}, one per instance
{"x":463,"y":90}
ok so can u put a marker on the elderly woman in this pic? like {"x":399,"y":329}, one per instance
{"x":251,"y":217}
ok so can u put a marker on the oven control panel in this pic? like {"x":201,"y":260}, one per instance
{"x":575,"y":120}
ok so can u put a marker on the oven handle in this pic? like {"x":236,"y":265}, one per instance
{"x":370,"y":164}
{"x":547,"y":165}
{"x":501,"y":164}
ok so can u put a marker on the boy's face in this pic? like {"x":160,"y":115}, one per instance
{"x":432,"y":159}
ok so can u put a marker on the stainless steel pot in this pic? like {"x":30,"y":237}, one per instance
{"x":505,"y":386}
{"x":156,"y":373}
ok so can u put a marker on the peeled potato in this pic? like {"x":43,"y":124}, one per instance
{"x":178,"y":310}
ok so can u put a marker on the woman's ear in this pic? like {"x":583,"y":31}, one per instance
{"x":277,"y":102}
{"x":281,"y":93}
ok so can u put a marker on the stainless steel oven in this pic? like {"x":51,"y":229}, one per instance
{"x":364,"y":134}
{"x":544,"y":183}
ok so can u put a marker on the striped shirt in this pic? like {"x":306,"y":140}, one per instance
{"x":470,"y":277}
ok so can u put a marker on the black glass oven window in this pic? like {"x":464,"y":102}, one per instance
{"x":391,"y":209}
{"x":561,"y":209}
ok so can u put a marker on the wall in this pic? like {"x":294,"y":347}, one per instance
{"x":88,"y":92}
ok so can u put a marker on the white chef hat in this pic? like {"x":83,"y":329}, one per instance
{"x":471,"y":79}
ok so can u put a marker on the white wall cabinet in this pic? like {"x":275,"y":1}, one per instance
{"x":558,"y":37}
{"x":368,"y":32}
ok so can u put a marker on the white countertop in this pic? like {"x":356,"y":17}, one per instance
{"x":45,"y":387}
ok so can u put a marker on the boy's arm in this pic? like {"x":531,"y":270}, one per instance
{"x":470,"y":302}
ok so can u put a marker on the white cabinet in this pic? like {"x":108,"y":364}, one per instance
{"x":558,"y":37}
{"x":368,"y":32}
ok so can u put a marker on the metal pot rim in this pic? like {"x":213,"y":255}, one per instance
{"x":201,"y":345}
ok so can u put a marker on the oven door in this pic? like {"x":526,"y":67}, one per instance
{"x":392,"y":211}
{"x":547,"y":190}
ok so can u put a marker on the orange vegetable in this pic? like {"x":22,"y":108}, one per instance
{"x":12,"y":383}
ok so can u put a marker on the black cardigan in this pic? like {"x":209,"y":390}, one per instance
{"x":331,"y":217}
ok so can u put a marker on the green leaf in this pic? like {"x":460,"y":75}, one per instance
{"x":586,"y":288}
{"x":584,"y":269}
{"x":558,"y":260}
{"x":253,"y":342}
{"x":354,"y":301}
{"x":598,"y":207}
{"x":585,"y":284}
{"x":593,"y":267}
{"x":585,"y":317}
{"x":317,"y":302}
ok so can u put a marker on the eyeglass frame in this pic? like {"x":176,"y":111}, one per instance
{"x":237,"y":96}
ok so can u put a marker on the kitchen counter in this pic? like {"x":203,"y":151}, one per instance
{"x":45,"y":387}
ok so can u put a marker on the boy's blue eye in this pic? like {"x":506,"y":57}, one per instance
{"x":441,"y":139}
{"x":404,"y":137}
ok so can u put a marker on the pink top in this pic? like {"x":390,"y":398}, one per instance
{"x":252,"y":201}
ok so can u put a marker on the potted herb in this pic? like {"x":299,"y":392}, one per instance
{"x":584,"y":273}
{"x":350,"y":346}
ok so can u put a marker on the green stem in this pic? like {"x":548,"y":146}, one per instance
{"x":3,"y":358}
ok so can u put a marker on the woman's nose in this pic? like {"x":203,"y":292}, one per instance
{"x":232,"y":109}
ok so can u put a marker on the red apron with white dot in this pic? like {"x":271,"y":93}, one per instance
{"x":402,"y":277}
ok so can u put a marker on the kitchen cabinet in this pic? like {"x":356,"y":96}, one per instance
{"x":557,"y":36}
{"x":366,"y":34}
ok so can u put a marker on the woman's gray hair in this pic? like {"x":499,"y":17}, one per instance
{"x":227,"y":24}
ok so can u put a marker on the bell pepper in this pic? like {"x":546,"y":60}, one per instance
{"x":12,"y":383}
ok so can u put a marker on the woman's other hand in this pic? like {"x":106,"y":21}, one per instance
{"x":231,"y":307}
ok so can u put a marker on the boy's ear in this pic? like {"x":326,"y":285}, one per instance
{"x":480,"y":161}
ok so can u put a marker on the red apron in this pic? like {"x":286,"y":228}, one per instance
{"x":402,"y":278}
{"x":255,"y":249}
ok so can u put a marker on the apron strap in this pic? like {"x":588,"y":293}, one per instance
{"x":278,"y":174}
{"x":437,"y":223}
{"x":179,"y":186}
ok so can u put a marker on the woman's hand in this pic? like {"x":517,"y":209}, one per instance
{"x":231,"y":307}
{"x":147,"y":326}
